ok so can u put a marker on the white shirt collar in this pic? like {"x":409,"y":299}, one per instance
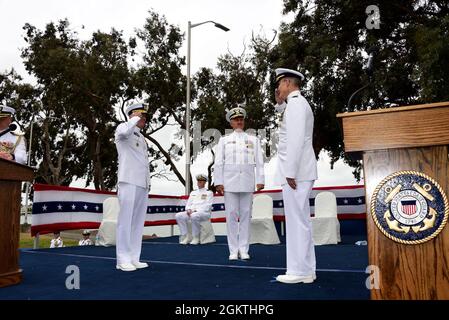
{"x":293,"y":93}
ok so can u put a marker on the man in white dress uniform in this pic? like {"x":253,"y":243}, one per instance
{"x":133,"y":187}
{"x":12,"y":143}
{"x":86,"y":240}
{"x":238,"y":168}
{"x":296,"y":172}
{"x":198,"y":209}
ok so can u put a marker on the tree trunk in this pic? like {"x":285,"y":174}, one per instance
{"x":95,"y":151}
{"x":167,"y":156}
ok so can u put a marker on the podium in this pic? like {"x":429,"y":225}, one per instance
{"x":11,"y":176}
{"x":405,"y":143}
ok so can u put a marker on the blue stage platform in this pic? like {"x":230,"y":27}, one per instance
{"x":190,"y":273}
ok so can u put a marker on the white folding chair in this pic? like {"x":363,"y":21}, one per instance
{"x":107,"y":232}
{"x":262,"y":225}
{"x":325,"y":224}
{"x":207,"y":234}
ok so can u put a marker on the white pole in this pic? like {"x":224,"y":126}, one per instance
{"x":27,"y":192}
{"x":187,"y":137}
{"x":36,"y":241}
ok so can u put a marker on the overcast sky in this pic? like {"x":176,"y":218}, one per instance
{"x":242,"y":16}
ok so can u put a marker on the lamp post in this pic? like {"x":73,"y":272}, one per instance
{"x":187,"y":132}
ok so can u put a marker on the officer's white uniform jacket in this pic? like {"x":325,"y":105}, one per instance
{"x":14,"y":143}
{"x":296,"y":158}
{"x":85,"y":242}
{"x":56,"y":243}
{"x":236,"y":157}
{"x":133,"y":165}
{"x":200,"y":200}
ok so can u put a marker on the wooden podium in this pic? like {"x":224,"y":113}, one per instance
{"x":11,"y":176}
{"x":401,"y":139}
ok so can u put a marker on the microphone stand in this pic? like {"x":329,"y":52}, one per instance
{"x":8,"y":130}
{"x":373,"y":50}
{"x":357,"y":155}
{"x":348,"y":105}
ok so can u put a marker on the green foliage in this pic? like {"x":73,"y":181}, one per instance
{"x":81,"y":84}
{"x":325,"y":41}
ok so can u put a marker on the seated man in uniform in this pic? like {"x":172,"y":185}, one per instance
{"x":198,"y":209}
{"x":86,"y":240}
{"x":12,"y":144}
{"x":56,"y":242}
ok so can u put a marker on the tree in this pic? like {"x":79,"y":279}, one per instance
{"x":159,"y":80}
{"x":80,"y":82}
{"x":326,"y":40}
{"x":239,"y":81}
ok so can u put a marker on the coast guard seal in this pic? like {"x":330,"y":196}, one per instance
{"x":409,"y":207}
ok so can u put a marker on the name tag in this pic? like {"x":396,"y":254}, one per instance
{"x":203,"y":196}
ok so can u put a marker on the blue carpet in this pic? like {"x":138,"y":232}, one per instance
{"x":189,"y":273}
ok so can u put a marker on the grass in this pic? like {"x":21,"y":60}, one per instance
{"x":27,"y":241}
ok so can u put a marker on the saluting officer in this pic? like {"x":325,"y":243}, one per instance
{"x":198,"y":209}
{"x":297,"y":171}
{"x":133,"y":187}
{"x":237,"y":156}
{"x":12,"y":143}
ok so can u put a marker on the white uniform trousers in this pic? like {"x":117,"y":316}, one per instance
{"x":300,"y":248}
{"x":196,"y":218}
{"x":238,"y":207}
{"x":130,"y":222}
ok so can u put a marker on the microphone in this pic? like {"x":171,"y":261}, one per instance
{"x":372,"y":51}
{"x":11,"y":127}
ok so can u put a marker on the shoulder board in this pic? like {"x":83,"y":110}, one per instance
{"x":17,"y":133}
{"x":295,"y":96}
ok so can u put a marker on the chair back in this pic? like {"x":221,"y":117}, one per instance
{"x":111,"y":209}
{"x":325,"y":204}
{"x":262,"y":207}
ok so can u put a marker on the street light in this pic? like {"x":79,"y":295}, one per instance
{"x":187,"y":134}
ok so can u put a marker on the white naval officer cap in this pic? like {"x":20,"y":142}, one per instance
{"x":86,"y":232}
{"x":283,"y":73}
{"x":235,"y":113}
{"x":6,"y":111}
{"x":139,"y":107}
{"x":201,"y":176}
